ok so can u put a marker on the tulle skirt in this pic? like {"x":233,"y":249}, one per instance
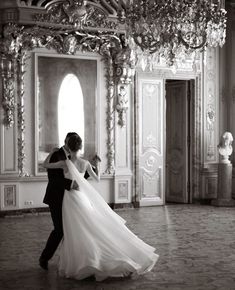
{"x":99,"y":246}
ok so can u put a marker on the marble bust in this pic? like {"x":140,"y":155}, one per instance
{"x":225,"y":147}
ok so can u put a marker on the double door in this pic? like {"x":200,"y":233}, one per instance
{"x":163,"y":141}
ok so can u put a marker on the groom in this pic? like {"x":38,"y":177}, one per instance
{"x":57,"y":184}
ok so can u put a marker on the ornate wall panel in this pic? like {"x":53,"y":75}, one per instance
{"x":122,"y":189}
{"x":9,"y":150}
{"x":123,"y":141}
{"x":123,"y":171}
{"x":151,"y":157}
{"x":211,"y":108}
{"x":209,"y":185}
{"x":9,"y":196}
{"x":29,"y":38}
{"x":196,"y":147}
{"x":122,"y":149}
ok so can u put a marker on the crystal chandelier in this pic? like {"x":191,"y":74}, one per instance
{"x":168,"y":28}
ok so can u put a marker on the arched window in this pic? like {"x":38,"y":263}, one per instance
{"x":70,"y":108}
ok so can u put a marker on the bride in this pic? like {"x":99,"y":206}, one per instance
{"x":96,"y":240}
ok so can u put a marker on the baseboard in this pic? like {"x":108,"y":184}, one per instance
{"x":20,"y":212}
{"x":125,"y":205}
{"x":206,"y":201}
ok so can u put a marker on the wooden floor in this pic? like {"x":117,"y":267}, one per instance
{"x":196,"y":245}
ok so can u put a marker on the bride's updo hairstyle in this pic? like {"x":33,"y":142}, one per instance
{"x":75,"y":143}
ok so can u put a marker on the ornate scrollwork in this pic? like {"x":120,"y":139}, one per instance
{"x":69,"y":44}
{"x":125,"y":61}
{"x":9,"y":47}
{"x":76,"y":13}
{"x":23,"y":39}
{"x":106,"y":51}
{"x":21,"y":117}
{"x":122,"y":106}
{"x":8,"y":97}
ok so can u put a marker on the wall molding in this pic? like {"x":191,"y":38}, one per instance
{"x":9,"y":196}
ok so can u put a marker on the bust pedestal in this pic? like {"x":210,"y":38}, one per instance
{"x":224,"y":192}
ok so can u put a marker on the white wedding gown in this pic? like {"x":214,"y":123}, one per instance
{"x":96,"y":240}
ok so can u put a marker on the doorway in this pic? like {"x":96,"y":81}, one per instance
{"x":178,"y":141}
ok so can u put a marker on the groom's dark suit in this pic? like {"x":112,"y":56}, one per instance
{"x":56,"y":186}
{"x":56,"y":181}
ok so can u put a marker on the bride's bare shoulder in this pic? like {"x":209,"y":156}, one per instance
{"x":81,"y":164}
{"x":82,"y":160}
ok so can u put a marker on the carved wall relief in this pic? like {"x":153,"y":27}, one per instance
{"x":210,"y":125}
{"x":8,"y":97}
{"x":124,"y":70}
{"x":21,"y":115}
{"x":78,"y":14}
{"x":106,"y":52}
{"x":24,"y":39}
{"x":122,"y":106}
{"x":123,"y":190}
{"x":150,"y":156}
{"x":9,"y":198}
{"x":211,"y":106}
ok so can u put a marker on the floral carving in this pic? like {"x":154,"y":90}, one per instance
{"x":76,"y":14}
{"x":125,"y":61}
{"x":22,"y":39}
{"x":8,"y":98}
{"x":122,"y":106}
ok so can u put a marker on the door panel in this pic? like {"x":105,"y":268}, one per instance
{"x":151,"y":157}
{"x":176,"y":141}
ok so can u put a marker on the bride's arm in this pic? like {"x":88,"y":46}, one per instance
{"x":92,"y":173}
{"x":59,"y":164}
{"x":69,"y":184}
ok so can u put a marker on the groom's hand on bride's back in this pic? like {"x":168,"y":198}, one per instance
{"x":75,"y":185}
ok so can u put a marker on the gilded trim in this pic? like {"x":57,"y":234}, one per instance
{"x":20,"y":40}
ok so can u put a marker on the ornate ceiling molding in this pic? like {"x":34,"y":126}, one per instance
{"x":110,"y":6}
{"x":78,"y":14}
{"x":91,"y":15}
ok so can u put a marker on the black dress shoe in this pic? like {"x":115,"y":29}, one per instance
{"x":43,"y":264}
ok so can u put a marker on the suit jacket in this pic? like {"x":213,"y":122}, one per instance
{"x":57,"y":183}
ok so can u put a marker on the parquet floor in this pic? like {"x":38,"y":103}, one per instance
{"x":196,"y":245}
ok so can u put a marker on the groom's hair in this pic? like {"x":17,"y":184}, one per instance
{"x":75,"y":142}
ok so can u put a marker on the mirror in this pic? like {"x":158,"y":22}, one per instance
{"x":66,"y":100}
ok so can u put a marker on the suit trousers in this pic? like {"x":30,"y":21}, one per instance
{"x":57,"y":233}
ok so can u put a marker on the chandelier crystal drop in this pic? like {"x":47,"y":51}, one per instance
{"x":168,"y":28}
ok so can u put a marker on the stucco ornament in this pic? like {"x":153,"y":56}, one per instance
{"x":122,"y":106}
{"x":225,"y":147}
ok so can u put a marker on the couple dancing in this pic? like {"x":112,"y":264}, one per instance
{"x":94,"y":240}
